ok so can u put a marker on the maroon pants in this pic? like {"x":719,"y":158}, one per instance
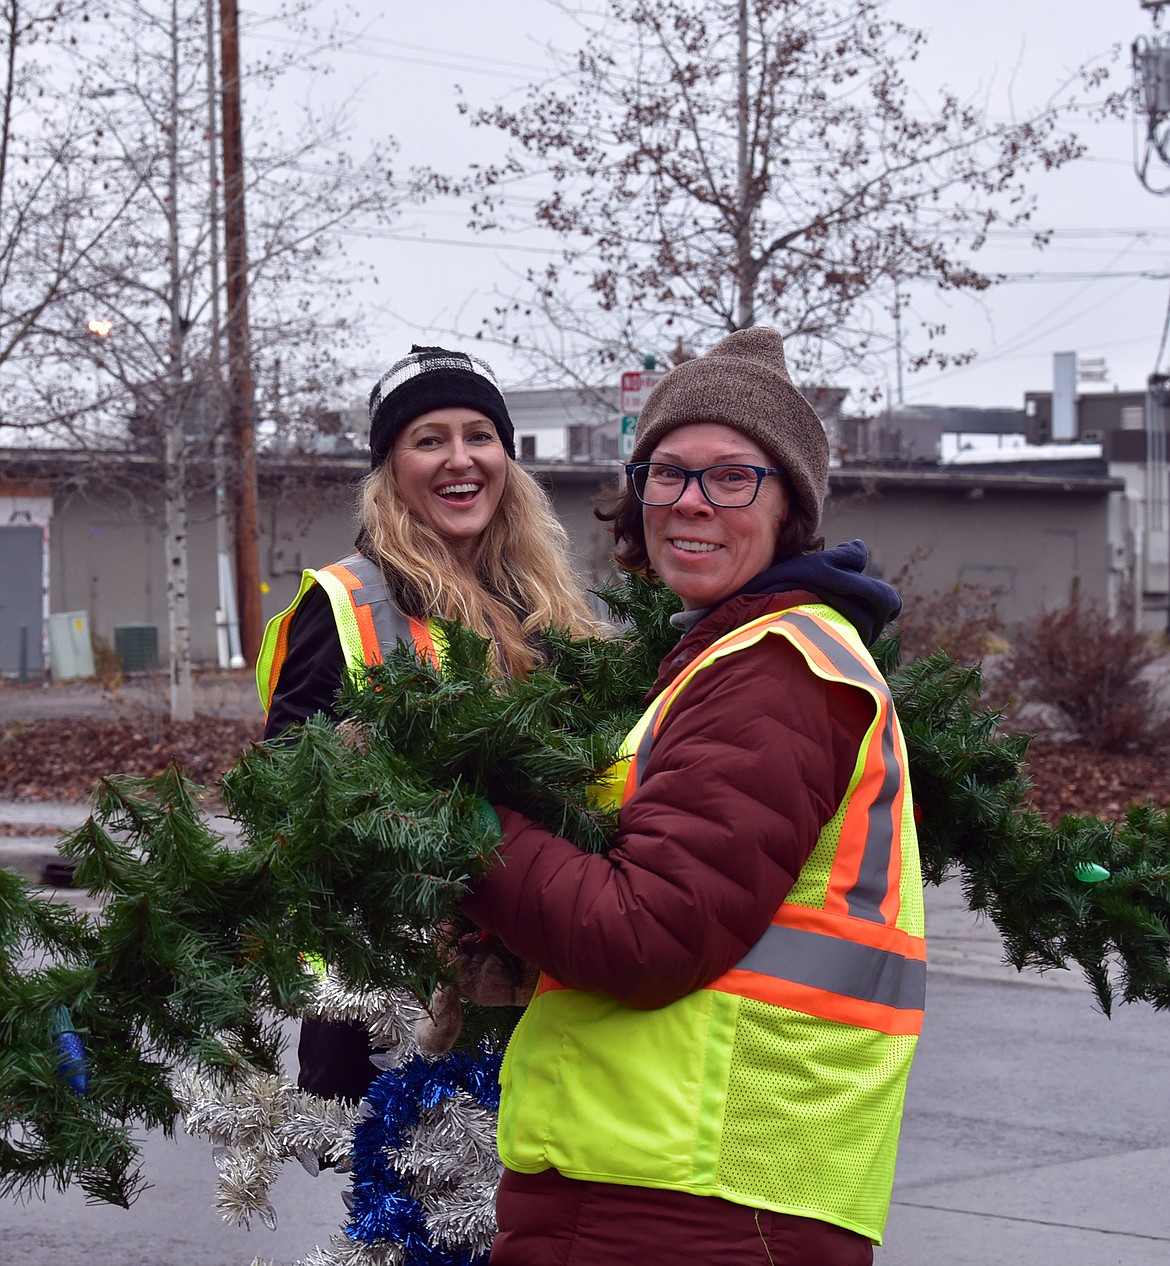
{"x":548,"y":1220}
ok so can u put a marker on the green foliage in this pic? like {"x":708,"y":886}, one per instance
{"x":356,"y":840}
{"x":644,"y":607}
{"x":349,"y":849}
{"x":970,"y":794}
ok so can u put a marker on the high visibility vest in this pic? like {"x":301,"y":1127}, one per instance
{"x":780,"y":1084}
{"x":369,"y":623}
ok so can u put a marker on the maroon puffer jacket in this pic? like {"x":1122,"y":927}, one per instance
{"x":752,"y":760}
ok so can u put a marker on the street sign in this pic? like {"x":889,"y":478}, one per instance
{"x":626,"y":446}
{"x":636,"y":385}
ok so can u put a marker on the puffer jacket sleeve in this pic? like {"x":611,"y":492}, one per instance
{"x":753,"y":758}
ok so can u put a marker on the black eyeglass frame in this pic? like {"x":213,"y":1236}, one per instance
{"x":760,"y":472}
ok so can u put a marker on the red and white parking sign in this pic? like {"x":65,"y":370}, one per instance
{"x":636,"y":386}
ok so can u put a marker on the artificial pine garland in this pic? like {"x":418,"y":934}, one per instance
{"x":351,"y":851}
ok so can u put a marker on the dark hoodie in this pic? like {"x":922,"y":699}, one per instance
{"x":837,"y":577}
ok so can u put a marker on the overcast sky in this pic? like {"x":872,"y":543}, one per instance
{"x":1101,"y":289}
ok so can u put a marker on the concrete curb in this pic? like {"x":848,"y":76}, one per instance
{"x":33,"y":856}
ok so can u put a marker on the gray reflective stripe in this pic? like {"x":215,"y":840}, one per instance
{"x":642,"y":754}
{"x":865,"y":898}
{"x":390,"y":625}
{"x":843,"y":967}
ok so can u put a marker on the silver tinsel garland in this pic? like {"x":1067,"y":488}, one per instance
{"x":262,"y":1121}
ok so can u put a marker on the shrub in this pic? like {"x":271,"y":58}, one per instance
{"x":963,"y":620}
{"x":107,"y":663}
{"x":1095,"y":674}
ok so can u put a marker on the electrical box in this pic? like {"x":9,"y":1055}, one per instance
{"x":136,"y":645}
{"x":70,"y":646}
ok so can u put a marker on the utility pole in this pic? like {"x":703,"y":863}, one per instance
{"x":745,"y":268}
{"x":1151,"y":67}
{"x":240,"y":388}
{"x":227,"y":623}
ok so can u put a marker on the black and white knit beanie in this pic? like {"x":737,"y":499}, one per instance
{"x":743,"y":382}
{"x":433,"y":378}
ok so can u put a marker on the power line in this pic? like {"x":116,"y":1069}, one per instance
{"x":391,"y":235}
{"x":1029,"y":278}
{"x":364,"y":45}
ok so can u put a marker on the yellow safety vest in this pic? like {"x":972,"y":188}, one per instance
{"x":780,"y":1084}
{"x":369,"y":622}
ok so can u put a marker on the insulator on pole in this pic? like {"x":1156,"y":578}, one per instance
{"x":1151,"y":73}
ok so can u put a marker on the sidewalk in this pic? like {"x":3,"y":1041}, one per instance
{"x":217,"y":693}
{"x":1036,"y":1130}
{"x":27,"y":844}
{"x":29,"y":831}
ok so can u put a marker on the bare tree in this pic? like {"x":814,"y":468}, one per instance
{"x":141,"y":317}
{"x":57,"y":209}
{"x":710,"y":164}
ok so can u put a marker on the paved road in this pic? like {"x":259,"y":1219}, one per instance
{"x":1037,"y":1131}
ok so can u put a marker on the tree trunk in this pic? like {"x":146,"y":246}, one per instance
{"x":745,"y":308}
{"x":175,"y":448}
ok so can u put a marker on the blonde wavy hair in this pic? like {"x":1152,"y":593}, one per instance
{"x":518,"y":582}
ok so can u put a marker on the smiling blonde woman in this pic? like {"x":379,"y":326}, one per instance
{"x":451,"y":527}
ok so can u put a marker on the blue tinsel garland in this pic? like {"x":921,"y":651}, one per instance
{"x":381,"y":1207}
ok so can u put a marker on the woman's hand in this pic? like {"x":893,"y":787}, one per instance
{"x":486,"y":973}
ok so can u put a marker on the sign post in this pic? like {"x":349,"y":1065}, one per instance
{"x":636,"y":385}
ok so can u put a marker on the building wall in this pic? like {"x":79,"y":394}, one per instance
{"x":106,"y":558}
{"x":106,"y":551}
{"x":1037,"y":548}
{"x":1098,"y":414}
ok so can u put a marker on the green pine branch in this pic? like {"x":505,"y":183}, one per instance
{"x":356,"y":840}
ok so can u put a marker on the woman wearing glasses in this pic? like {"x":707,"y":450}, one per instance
{"x":713,"y":1067}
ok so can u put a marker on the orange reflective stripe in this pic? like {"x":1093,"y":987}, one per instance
{"x":380,"y":624}
{"x":746,"y":634}
{"x":369,"y":623}
{"x":371,"y":648}
{"x":873,"y":821}
{"x":424,"y":643}
{"x":866,"y":876}
{"x":279,"y":655}
{"x":274,"y":646}
{"x":882,"y":936}
{"x":641,"y":753}
{"x":545,"y":984}
{"x":847,"y":962}
{"x":356,"y":574}
{"x":896,"y":1021}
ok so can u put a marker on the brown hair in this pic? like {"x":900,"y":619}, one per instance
{"x":518,"y":581}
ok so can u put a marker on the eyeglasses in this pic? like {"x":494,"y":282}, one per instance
{"x":726,"y":486}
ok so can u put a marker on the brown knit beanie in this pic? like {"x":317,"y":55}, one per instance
{"x":743,"y":382}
